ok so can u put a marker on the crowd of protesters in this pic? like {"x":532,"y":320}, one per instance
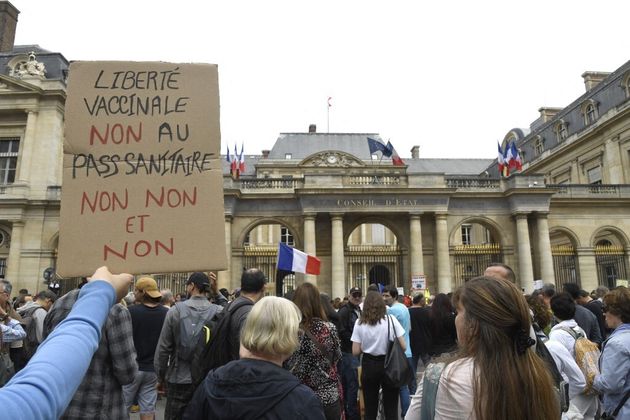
{"x":486,"y":351}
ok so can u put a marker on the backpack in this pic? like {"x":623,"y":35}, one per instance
{"x":191,"y":323}
{"x":213,"y":348}
{"x":586,"y":356}
{"x":29,"y":323}
{"x":560,"y":385}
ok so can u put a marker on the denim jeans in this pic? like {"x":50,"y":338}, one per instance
{"x":350,"y":383}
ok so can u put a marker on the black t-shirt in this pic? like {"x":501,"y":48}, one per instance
{"x":420,"y":334}
{"x":147,"y":325}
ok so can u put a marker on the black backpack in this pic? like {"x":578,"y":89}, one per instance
{"x":213,"y":346}
{"x":561,"y":386}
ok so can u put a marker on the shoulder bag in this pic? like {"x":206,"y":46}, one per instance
{"x":397,"y":370}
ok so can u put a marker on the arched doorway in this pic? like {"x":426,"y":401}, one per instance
{"x":379,"y":274}
{"x":372,"y":256}
{"x":565,"y":260}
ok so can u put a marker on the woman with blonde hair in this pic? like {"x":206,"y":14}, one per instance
{"x":371,"y":335}
{"x":496,"y":373}
{"x":256,"y":386}
{"x":314,"y":362}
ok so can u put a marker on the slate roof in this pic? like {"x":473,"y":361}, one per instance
{"x":302,"y":145}
{"x":448,"y":166}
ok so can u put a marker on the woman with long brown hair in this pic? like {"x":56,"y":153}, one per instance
{"x":314,"y":362}
{"x":496,"y":374}
{"x":371,"y":335}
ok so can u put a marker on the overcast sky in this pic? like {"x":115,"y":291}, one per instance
{"x":450,"y":76}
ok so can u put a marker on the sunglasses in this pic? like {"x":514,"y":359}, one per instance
{"x":356,"y":295}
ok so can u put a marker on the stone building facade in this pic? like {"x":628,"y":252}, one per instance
{"x":564,"y":217}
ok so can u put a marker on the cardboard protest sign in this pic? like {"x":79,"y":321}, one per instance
{"x":142,"y":184}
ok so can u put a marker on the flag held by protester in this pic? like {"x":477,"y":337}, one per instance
{"x":291,"y":259}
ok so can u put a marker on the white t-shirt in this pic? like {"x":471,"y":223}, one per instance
{"x":373,"y":338}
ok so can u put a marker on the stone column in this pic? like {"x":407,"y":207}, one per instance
{"x":13,"y":262}
{"x":576,"y":176}
{"x":415,"y":246}
{"x":224,"y":277}
{"x":259,"y":235}
{"x":26,"y":147}
{"x":338,"y":260}
{"x":443,"y":262}
{"x":526,"y":272}
{"x":588,"y":268}
{"x":544,"y":248}
{"x":310,"y":246}
{"x":612,"y":161}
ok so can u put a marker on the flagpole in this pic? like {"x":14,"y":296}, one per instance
{"x":328,"y":115}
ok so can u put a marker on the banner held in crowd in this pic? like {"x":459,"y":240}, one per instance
{"x":142,"y":181}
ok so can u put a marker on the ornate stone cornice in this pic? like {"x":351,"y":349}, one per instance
{"x":332,"y":159}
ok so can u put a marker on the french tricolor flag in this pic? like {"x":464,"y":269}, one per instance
{"x":291,"y":259}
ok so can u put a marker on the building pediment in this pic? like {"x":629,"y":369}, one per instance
{"x":11,"y":85}
{"x":333,"y":159}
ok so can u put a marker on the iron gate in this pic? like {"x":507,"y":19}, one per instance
{"x":565,"y":265}
{"x":611,"y":264}
{"x":367,"y":264}
{"x":471,"y":260}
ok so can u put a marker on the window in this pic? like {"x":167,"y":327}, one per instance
{"x":378,"y":234}
{"x":374,"y":156}
{"x":8,"y":159}
{"x":539,"y":146}
{"x":590,"y":114}
{"x":595,"y":175}
{"x":589,"y":111}
{"x":561,"y":131}
{"x":285,"y":236}
{"x":466,"y":234}
{"x":3,"y":267}
{"x":247,"y":239}
{"x":288,"y":156}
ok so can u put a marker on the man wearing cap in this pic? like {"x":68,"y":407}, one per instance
{"x":147,"y":318}
{"x":171,"y":365}
{"x":348,"y":315}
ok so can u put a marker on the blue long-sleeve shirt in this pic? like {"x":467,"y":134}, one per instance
{"x":43,"y":389}
{"x":12,"y":331}
{"x":614,"y":364}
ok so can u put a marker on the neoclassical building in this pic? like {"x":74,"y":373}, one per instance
{"x":564,"y":218}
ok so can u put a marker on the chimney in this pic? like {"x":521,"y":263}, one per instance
{"x":8,"y":23}
{"x":312,"y":129}
{"x":415,"y":152}
{"x":265,"y":154}
{"x":592,"y":78}
{"x":547,"y":113}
